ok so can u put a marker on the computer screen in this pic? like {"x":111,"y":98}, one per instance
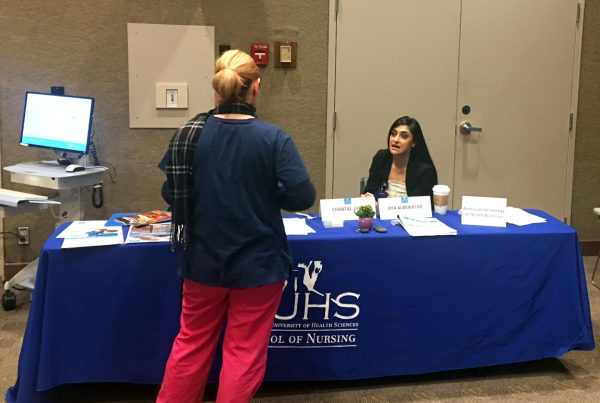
{"x":58,"y":122}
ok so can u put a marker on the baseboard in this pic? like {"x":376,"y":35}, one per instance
{"x":10,"y":269}
{"x":590,"y":248}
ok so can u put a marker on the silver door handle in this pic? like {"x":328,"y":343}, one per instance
{"x":466,"y":128}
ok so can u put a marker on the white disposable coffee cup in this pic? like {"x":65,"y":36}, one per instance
{"x":440,"y":198}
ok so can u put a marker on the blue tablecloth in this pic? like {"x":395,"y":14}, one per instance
{"x":356,"y":306}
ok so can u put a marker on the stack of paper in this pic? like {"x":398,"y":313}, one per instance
{"x":81,"y":234}
{"x":425,"y":226}
{"x":521,"y":217}
{"x":297,"y":226}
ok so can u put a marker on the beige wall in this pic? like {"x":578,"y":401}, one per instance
{"x":82,"y":45}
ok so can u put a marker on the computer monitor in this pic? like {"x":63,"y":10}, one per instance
{"x":58,"y":122}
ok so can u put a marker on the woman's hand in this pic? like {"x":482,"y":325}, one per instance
{"x":367,"y":194}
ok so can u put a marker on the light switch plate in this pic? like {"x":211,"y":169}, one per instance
{"x":286,"y":54}
{"x":171,"y":96}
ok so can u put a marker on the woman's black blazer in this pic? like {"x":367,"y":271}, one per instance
{"x":421,"y":176}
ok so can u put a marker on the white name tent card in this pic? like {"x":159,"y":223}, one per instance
{"x":414,"y":206}
{"x":343,"y":209}
{"x":485,"y":211}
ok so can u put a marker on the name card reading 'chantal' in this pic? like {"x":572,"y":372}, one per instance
{"x":343,"y":209}
{"x":414,"y":206}
{"x":485,"y":211}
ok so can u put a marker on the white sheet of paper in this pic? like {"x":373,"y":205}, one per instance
{"x":81,"y":229}
{"x":69,"y":243}
{"x":96,"y":236}
{"x":425,"y":226}
{"x":308,"y":216}
{"x":297,"y":226}
{"x":414,"y":206}
{"x":521,"y":217}
{"x":44,"y":201}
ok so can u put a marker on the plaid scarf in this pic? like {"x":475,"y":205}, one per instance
{"x":179,"y":169}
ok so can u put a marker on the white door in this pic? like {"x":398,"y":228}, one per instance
{"x":516,"y":75}
{"x":515,"y":63}
{"x":393,"y":58}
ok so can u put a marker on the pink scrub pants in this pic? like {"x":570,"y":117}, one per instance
{"x":249,"y":314}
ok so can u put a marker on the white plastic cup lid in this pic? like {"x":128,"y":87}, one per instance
{"x":441,"y":189}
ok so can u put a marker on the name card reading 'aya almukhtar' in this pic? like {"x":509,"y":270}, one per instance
{"x":414,"y":206}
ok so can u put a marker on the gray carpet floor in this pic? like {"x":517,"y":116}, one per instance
{"x":575,"y":377}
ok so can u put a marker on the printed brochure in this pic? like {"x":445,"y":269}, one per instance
{"x":424,"y":226}
{"x":149,"y":233}
{"x":149,"y":217}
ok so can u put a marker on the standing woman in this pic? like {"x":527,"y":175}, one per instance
{"x":228,"y":176}
{"x":405,"y":168}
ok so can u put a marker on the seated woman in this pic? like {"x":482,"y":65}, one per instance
{"x":405,"y":168}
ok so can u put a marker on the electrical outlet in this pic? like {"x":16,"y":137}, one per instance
{"x":23,"y":233}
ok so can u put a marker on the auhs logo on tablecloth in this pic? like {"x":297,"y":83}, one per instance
{"x":343,"y":306}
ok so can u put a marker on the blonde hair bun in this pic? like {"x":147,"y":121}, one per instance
{"x":234,"y":72}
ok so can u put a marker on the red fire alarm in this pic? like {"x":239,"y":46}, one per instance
{"x":260,"y":53}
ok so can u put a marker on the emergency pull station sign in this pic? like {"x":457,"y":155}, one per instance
{"x":260,"y":53}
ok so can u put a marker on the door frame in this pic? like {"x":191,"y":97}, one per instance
{"x":574,"y":110}
{"x":331,"y":66}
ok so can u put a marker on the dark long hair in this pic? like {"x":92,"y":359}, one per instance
{"x":420,"y":150}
